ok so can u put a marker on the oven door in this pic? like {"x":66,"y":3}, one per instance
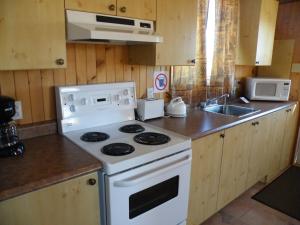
{"x":153,"y":194}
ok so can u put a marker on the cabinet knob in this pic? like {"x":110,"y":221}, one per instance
{"x":92,"y":181}
{"x":257,"y":62}
{"x":123,"y":9}
{"x":192,"y":61}
{"x":222,"y":135}
{"x":60,"y":62}
{"x":253,"y":123}
{"x":257,"y":123}
{"x":288,"y":110}
{"x":112,"y":7}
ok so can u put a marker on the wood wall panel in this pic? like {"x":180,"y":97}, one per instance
{"x":71,"y":73}
{"x":48,"y":94}
{"x":23,"y":95}
{"x":135,"y":73}
{"x":288,"y":26}
{"x":110,"y":64}
{"x":59,"y":77}
{"x":7,"y":83}
{"x":100,"y":64}
{"x":91,"y":70}
{"x":119,"y":63}
{"x":87,"y":64}
{"x":36,"y":91}
{"x":80,"y":56}
{"x":288,"y":29}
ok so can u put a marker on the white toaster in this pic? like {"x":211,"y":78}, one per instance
{"x":150,"y":108}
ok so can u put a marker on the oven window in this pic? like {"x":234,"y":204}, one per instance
{"x":156,"y":195}
{"x":265,"y":89}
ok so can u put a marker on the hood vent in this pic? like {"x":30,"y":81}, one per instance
{"x":91,"y":27}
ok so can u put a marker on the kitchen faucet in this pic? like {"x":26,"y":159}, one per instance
{"x":214,"y":101}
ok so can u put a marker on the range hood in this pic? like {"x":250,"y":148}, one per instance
{"x":92,"y":27}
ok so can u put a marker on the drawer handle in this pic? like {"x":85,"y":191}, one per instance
{"x":288,"y":110}
{"x":123,"y":9}
{"x":112,"y":7}
{"x":134,"y":180}
{"x":60,"y":62}
{"x":222,"y":135}
{"x":253,"y":123}
{"x":92,"y":181}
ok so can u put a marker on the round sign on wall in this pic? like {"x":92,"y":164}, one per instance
{"x":161,"y":81}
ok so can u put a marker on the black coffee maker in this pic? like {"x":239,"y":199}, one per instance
{"x":10,"y":144}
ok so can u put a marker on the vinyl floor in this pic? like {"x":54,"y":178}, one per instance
{"x":247,"y":211}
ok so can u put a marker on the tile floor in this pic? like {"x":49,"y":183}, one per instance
{"x":246,"y":211}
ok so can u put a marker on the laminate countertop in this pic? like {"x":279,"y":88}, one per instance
{"x":199,"y":123}
{"x":52,"y":159}
{"x":47,"y":160}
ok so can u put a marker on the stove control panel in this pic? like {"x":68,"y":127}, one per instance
{"x":90,"y":99}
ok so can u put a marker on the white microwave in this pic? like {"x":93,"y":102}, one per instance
{"x":269,"y":89}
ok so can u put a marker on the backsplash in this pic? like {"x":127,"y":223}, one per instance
{"x":87,"y":63}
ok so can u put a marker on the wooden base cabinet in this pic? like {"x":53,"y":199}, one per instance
{"x":74,"y":202}
{"x":234,"y":167}
{"x":227,"y":163}
{"x":290,"y":133}
{"x":258,"y":148}
{"x":276,"y":136}
{"x":206,"y":162}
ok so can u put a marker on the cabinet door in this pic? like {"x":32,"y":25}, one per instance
{"x":275,"y":140}
{"x":142,"y":9}
{"x":289,"y":140}
{"x":258,"y":165}
{"x":32,"y":34}
{"x":234,"y":167}
{"x":206,"y":163}
{"x":177,"y":23}
{"x":256,"y":32}
{"x":266,"y":32}
{"x":97,"y":6}
{"x":73,"y":202}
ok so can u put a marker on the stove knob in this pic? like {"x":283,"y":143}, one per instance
{"x":71,"y":97}
{"x":72,"y":108}
{"x":127,"y":101}
{"x":125,"y":92}
{"x":117,"y":97}
{"x":83,"y":101}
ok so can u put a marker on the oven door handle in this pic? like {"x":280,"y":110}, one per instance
{"x":134,"y":180}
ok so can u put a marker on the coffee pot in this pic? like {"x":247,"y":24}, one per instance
{"x":10,"y":144}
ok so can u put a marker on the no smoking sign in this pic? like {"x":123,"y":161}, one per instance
{"x":161,"y":81}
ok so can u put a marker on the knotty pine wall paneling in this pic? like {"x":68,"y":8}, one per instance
{"x":87,"y":64}
{"x":288,"y":28}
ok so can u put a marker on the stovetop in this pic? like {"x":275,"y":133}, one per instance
{"x":142,"y":153}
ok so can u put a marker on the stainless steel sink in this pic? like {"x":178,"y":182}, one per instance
{"x":231,"y":110}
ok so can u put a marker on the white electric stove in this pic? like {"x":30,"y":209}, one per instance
{"x":146,"y":169}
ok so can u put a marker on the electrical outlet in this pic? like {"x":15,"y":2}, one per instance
{"x":19,"y":112}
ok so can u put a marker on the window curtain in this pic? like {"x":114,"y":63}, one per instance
{"x":226,"y":31}
{"x":191,"y":82}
